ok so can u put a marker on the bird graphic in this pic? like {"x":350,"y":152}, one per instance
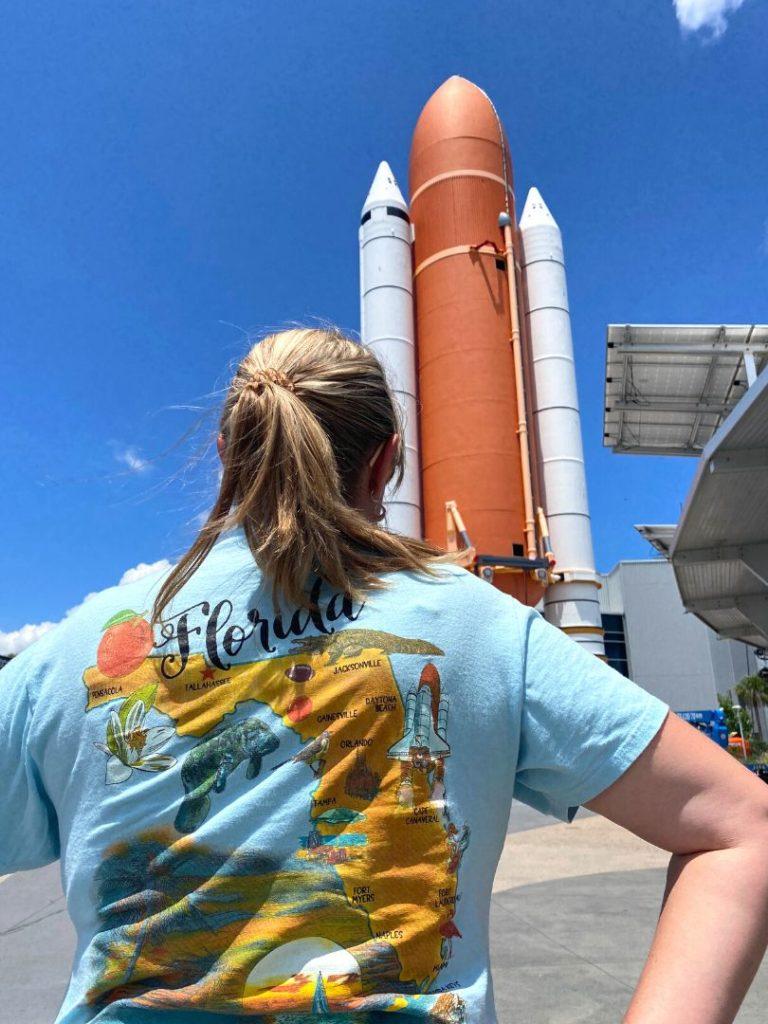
{"x":312,"y":754}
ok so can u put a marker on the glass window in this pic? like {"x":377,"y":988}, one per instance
{"x":616,"y":643}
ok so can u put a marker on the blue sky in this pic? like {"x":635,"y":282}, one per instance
{"x":177,"y":173}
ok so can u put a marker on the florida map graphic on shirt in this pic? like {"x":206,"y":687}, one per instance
{"x":356,"y":917}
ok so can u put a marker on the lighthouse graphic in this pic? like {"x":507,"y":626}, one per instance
{"x":320,"y":1001}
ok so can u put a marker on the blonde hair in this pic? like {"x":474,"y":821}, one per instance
{"x":305,"y":411}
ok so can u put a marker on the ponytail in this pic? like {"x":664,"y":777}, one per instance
{"x":304,"y":412}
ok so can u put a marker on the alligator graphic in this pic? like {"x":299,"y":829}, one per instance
{"x":350,"y":643}
{"x":340,"y":816}
{"x":210,"y":764}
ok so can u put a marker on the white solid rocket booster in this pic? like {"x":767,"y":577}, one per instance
{"x":572,"y":605}
{"x":386,"y":326}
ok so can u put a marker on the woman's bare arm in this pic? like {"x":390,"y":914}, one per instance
{"x":687,"y":795}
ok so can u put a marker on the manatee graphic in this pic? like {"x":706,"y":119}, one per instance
{"x":210,"y":764}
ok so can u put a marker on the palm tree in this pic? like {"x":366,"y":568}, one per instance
{"x":735,"y":721}
{"x":752,"y":692}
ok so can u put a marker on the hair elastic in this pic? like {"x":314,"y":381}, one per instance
{"x":269,"y":375}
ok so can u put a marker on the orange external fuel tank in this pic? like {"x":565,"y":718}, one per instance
{"x":460,"y":181}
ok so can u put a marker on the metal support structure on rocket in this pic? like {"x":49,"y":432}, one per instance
{"x":386,"y":326}
{"x":476,"y":320}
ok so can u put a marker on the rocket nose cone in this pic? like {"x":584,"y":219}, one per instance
{"x":458,"y":117}
{"x":458,"y":107}
{"x":535,"y":212}
{"x":384,"y":190}
{"x":430,"y":677}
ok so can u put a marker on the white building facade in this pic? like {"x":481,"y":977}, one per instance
{"x":650,"y":638}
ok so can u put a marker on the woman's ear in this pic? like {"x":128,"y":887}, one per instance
{"x":382,"y":465}
{"x":221,"y":446}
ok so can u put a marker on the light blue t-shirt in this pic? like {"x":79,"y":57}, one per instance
{"x":296,"y":816}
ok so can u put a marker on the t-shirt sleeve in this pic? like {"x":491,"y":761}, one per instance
{"x":582,"y":723}
{"x":29,"y":834}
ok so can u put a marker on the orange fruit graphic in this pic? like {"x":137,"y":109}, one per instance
{"x":126,"y":642}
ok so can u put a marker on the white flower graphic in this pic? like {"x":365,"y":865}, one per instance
{"x":131,"y":745}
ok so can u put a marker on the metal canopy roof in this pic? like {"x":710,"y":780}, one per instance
{"x":659,"y":536}
{"x":669,"y":387}
{"x":720,"y":550}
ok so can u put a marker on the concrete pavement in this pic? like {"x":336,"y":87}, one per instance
{"x":36,"y":946}
{"x":571,"y":951}
{"x":573,"y":913}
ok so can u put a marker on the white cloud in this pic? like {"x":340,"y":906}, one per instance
{"x":131,"y":458}
{"x":144,"y":569}
{"x":16,"y":640}
{"x":705,"y":15}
